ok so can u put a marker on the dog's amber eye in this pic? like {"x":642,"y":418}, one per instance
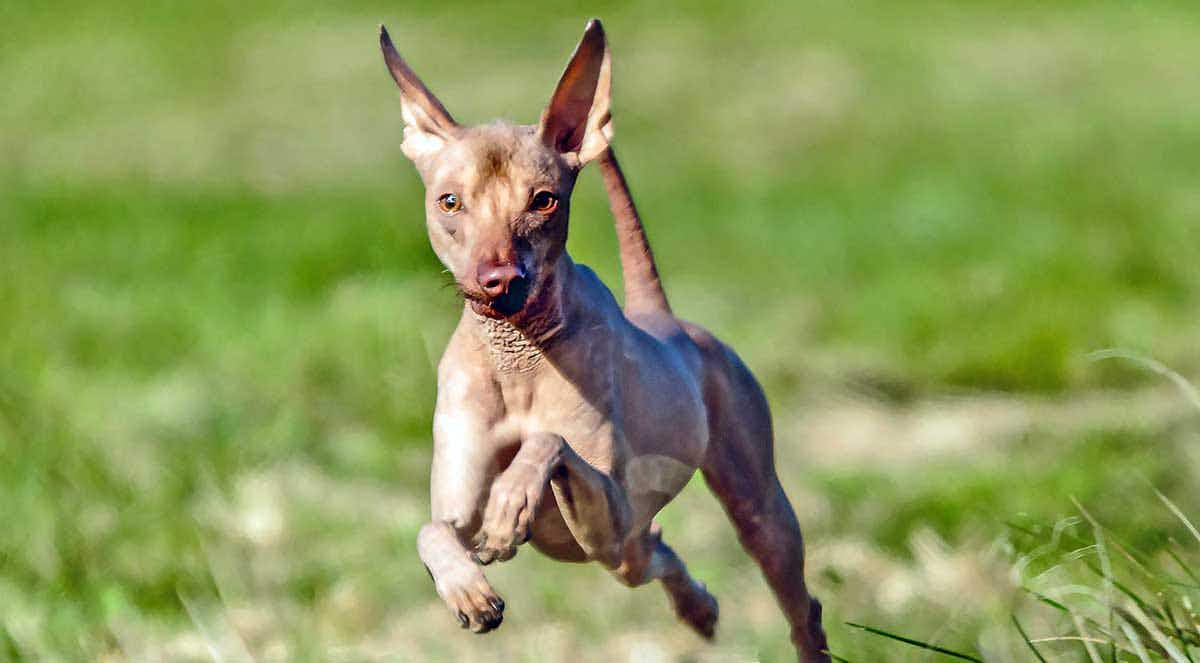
{"x":449,"y":203}
{"x":544,"y":202}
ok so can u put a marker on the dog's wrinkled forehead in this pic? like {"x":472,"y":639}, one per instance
{"x":500,"y":153}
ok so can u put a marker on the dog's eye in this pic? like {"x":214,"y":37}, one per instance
{"x":449,"y":203}
{"x":543,"y":202}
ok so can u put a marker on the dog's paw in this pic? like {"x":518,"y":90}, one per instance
{"x":698,"y":609}
{"x":471,"y":599}
{"x":508,"y":518}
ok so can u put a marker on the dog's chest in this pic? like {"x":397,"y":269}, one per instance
{"x":569,"y":394}
{"x":545,"y":401}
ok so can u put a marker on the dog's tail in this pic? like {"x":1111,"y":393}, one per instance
{"x":643,"y":288}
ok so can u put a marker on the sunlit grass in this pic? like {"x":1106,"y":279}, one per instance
{"x":1110,"y":600}
{"x":219,"y":313}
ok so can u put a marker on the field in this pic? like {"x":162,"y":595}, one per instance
{"x":916,"y":221}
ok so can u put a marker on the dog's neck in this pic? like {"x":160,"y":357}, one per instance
{"x":510,"y":349}
{"x":516,"y":345}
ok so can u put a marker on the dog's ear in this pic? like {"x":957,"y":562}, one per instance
{"x":428,"y":126}
{"x":577,"y":122}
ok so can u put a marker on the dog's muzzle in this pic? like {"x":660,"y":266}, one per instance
{"x":505,"y":287}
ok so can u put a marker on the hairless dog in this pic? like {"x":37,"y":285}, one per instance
{"x":561,"y":419}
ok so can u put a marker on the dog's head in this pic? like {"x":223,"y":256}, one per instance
{"x":497,"y":196}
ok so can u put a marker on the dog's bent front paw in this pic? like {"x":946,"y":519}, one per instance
{"x":508,"y":518}
{"x":471,"y":599}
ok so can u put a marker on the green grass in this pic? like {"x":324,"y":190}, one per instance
{"x":219,"y":313}
{"x":1095,"y":597}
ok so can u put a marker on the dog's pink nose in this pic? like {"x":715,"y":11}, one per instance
{"x":498,"y":280}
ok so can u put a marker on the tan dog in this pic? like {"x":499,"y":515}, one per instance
{"x":560,"y":419}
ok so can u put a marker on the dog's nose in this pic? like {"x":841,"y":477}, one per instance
{"x":498,"y":280}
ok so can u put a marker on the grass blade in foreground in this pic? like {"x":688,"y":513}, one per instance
{"x":1178,"y":514}
{"x":917,"y":643}
{"x":1025,"y":637}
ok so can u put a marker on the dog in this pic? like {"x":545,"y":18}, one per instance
{"x":563,"y":420}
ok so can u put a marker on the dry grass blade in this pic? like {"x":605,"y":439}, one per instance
{"x":1178,"y":514}
{"x":1156,"y":633}
{"x":1086,"y":639}
{"x":1138,"y":648}
{"x":1067,"y":638}
{"x":1187,"y":388}
{"x":1106,"y":567}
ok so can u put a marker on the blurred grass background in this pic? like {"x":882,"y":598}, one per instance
{"x":219,"y":313}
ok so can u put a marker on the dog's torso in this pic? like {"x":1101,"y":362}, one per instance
{"x":627,"y":401}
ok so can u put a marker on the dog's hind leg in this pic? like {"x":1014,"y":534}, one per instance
{"x":740,"y":469}
{"x":768,"y":530}
{"x":647,"y":558}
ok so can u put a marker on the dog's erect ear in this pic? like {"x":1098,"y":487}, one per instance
{"x":428,"y":126}
{"x":577,"y":121}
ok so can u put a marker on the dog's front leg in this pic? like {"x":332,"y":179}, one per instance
{"x":459,"y":580}
{"x":461,"y":472}
{"x":594,"y":506}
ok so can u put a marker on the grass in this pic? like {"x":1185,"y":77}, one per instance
{"x":219,"y":313}
{"x":1100,"y":599}
{"x":1132,"y":616}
